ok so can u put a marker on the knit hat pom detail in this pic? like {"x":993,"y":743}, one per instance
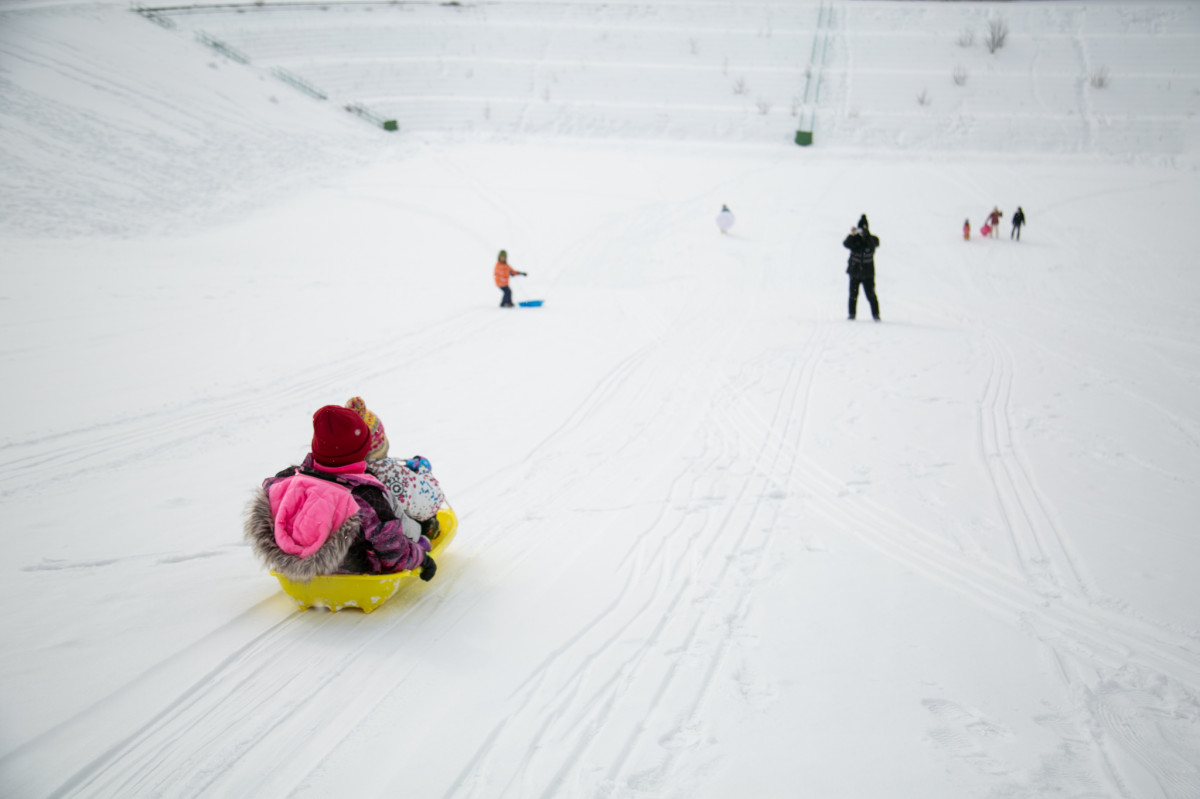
{"x":379,"y":442}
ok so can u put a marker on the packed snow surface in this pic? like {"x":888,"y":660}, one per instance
{"x":715,"y":539}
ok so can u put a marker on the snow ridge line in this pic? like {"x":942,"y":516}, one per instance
{"x":34,"y":465}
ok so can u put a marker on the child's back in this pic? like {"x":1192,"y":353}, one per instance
{"x":328,"y":515}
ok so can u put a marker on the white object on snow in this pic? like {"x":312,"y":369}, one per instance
{"x":725,"y":220}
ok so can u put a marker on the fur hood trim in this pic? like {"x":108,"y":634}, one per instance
{"x":260,"y":533}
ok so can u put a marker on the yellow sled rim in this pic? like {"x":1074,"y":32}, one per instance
{"x":363,"y":591}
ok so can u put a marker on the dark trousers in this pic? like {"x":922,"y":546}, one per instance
{"x":506,"y":301}
{"x":868,"y":285}
{"x":1016,"y":233}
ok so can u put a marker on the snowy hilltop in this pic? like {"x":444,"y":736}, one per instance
{"x":714,"y":539}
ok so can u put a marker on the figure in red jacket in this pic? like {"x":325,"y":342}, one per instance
{"x":994,"y":221}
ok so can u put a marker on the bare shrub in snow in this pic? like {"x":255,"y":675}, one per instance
{"x":739,"y":86}
{"x":966,"y":38}
{"x":763,"y":106}
{"x":997,"y":33}
{"x":1099,"y":78}
{"x":960,"y":76}
{"x":923,"y":98}
{"x":693,"y":45}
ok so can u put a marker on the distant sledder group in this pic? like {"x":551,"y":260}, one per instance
{"x":344,"y":527}
{"x":991,"y":224}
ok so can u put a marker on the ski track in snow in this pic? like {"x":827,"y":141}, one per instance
{"x":1058,"y":612}
{"x":1037,"y":542}
{"x":660,"y":650}
{"x":37,"y":464}
{"x":662,"y":647}
{"x":569,"y":703}
{"x":261,"y":697}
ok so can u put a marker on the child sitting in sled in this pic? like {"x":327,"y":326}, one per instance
{"x":329,"y":516}
{"x":412,"y":488}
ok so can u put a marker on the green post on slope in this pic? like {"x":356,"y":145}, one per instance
{"x":390,"y":124}
{"x":816,"y":68}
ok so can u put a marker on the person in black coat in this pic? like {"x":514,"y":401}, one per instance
{"x":862,"y":246}
{"x":1017,"y":222}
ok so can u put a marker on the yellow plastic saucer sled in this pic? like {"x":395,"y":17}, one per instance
{"x":363,"y":591}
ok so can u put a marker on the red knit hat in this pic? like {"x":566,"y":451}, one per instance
{"x":340,"y":436}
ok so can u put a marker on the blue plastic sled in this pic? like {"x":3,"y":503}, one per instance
{"x":530,"y":304}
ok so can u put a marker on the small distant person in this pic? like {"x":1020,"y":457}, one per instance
{"x":966,"y":230}
{"x":503,"y":272}
{"x":725,"y":219}
{"x":861,"y":269}
{"x":1018,"y":222}
{"x":994,"y":221}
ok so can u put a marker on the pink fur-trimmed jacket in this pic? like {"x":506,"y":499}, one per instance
{"x":310,"y":519}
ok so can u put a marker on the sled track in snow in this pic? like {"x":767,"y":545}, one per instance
{"x":1099,"y":650}
{"x":1101,"y":636}
{"x":1040,"y":548}
{"x":659,"y":647}
{"x":39,"y":464}
{"x":262,"y":703}
{"x":1126,"y":676}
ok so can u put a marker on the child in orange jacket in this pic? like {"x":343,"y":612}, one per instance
{"x":503,"y":272}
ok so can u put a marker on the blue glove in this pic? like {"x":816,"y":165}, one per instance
{"x":418,"y":464}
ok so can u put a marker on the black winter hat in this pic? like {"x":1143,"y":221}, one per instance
{"x":862,"y":223}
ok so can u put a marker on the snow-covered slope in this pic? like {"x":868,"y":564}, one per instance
{"x":112,"y":125}
{"x":716,"y":540}
{"x":1070,"y":77}
{"x":1120,"y":79}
